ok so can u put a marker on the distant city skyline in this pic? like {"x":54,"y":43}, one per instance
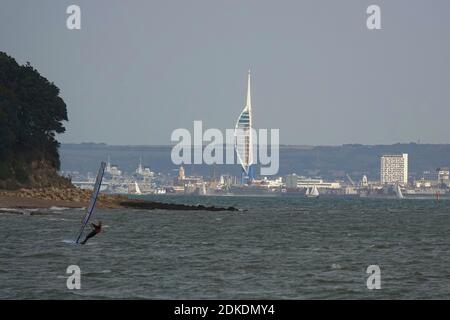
{"x":138,"y":70}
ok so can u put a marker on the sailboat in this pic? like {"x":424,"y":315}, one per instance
{"x":203,"y":190}
{"x":312,"y":192}
{"x":398,"y":192}
{"x":138,"y":190}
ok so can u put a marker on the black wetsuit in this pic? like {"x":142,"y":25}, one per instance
{"x":97,"y":229}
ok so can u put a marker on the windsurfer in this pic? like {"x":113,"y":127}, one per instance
{"x":96,"y":228}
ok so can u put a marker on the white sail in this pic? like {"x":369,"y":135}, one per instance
{"x":203,"y":189}
{"x":138,"y":190}
{"x":314,"y":191}
{"x":98,"y":183}
{"x":398,"y":192}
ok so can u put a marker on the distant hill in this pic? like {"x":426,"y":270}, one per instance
{"x":31,"y":114}
{"x":330,"y":162}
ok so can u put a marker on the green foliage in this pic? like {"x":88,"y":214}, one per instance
{"x":31,"y":114}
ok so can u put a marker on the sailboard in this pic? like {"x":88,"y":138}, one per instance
{"x":98,"y":183}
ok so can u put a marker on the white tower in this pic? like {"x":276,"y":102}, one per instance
{"x":243,"y":133}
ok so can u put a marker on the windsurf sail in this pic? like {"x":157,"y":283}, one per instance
{"x":98,"y":183}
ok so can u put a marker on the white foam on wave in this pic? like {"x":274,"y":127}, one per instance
{"x":54,"y":208}
{"x":24,"y":212}
{"x":69,"y":241}
{"x":8,"y":209}
{"x":18,"y":210}
{"x":336,"y":266}
{"x":57,"y":219}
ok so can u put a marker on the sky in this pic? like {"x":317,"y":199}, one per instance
{"x":139,"y":69}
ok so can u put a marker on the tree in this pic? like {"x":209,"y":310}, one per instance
{"x":31,"y":114}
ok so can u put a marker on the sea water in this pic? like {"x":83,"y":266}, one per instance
{"x":279,"y":248}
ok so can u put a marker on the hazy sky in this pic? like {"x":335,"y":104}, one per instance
{"x":137,"y":70}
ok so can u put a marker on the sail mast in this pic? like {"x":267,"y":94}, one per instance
{"x":98,"y":183}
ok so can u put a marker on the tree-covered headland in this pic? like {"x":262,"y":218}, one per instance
{"x":31,"y":115}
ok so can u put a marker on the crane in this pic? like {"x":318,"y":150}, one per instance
{"x":350,"y":179}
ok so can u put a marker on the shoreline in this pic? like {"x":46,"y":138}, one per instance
{"x":78,"y":198}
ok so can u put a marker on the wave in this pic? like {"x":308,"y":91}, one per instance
{"x":55,"y":208}
{"x":60,"y":219}
{"x":25,"y":212}
{"x":68,"y":241}
{"x":46,"y":254}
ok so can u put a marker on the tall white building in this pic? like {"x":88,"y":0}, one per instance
{"x":243,"y":136}
{"x":394,"y":169}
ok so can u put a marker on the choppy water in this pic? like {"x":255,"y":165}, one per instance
{"x":288,"y":248}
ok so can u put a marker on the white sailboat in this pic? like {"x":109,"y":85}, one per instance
{"x":312,"y":193}
{"x":398,"y":192}
{"x":203,"y":190}
{"x":138,"y":190}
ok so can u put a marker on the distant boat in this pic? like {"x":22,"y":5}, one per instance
{"x":203,"y":190}
{"x":398,"y":192}
{"x":312,"y":192}
{"x":160,"y":191}
{"x":138,"y":190}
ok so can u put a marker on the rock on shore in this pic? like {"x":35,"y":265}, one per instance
{"x":151,"y":205}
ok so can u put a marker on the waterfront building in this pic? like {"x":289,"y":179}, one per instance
{"x":443,"y":175}
{"x":273,"y":183}
{"x":144,"y":172}
{"x":394,"y":169}
{"x":227,"y":180}
{"x":429,"y":175}
{"x":147,"y":172}
{"x":181,"y":174}
{"x":422,"y":183}
{"x":293,"y":181}
{"x":318,"y":183}
{"x":112,"y":169}
{"x":364,"y":181}
{"x":187,"y":183}
{"x":267,"y":183}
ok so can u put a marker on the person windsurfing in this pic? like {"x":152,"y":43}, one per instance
{"x":96,"y":229}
